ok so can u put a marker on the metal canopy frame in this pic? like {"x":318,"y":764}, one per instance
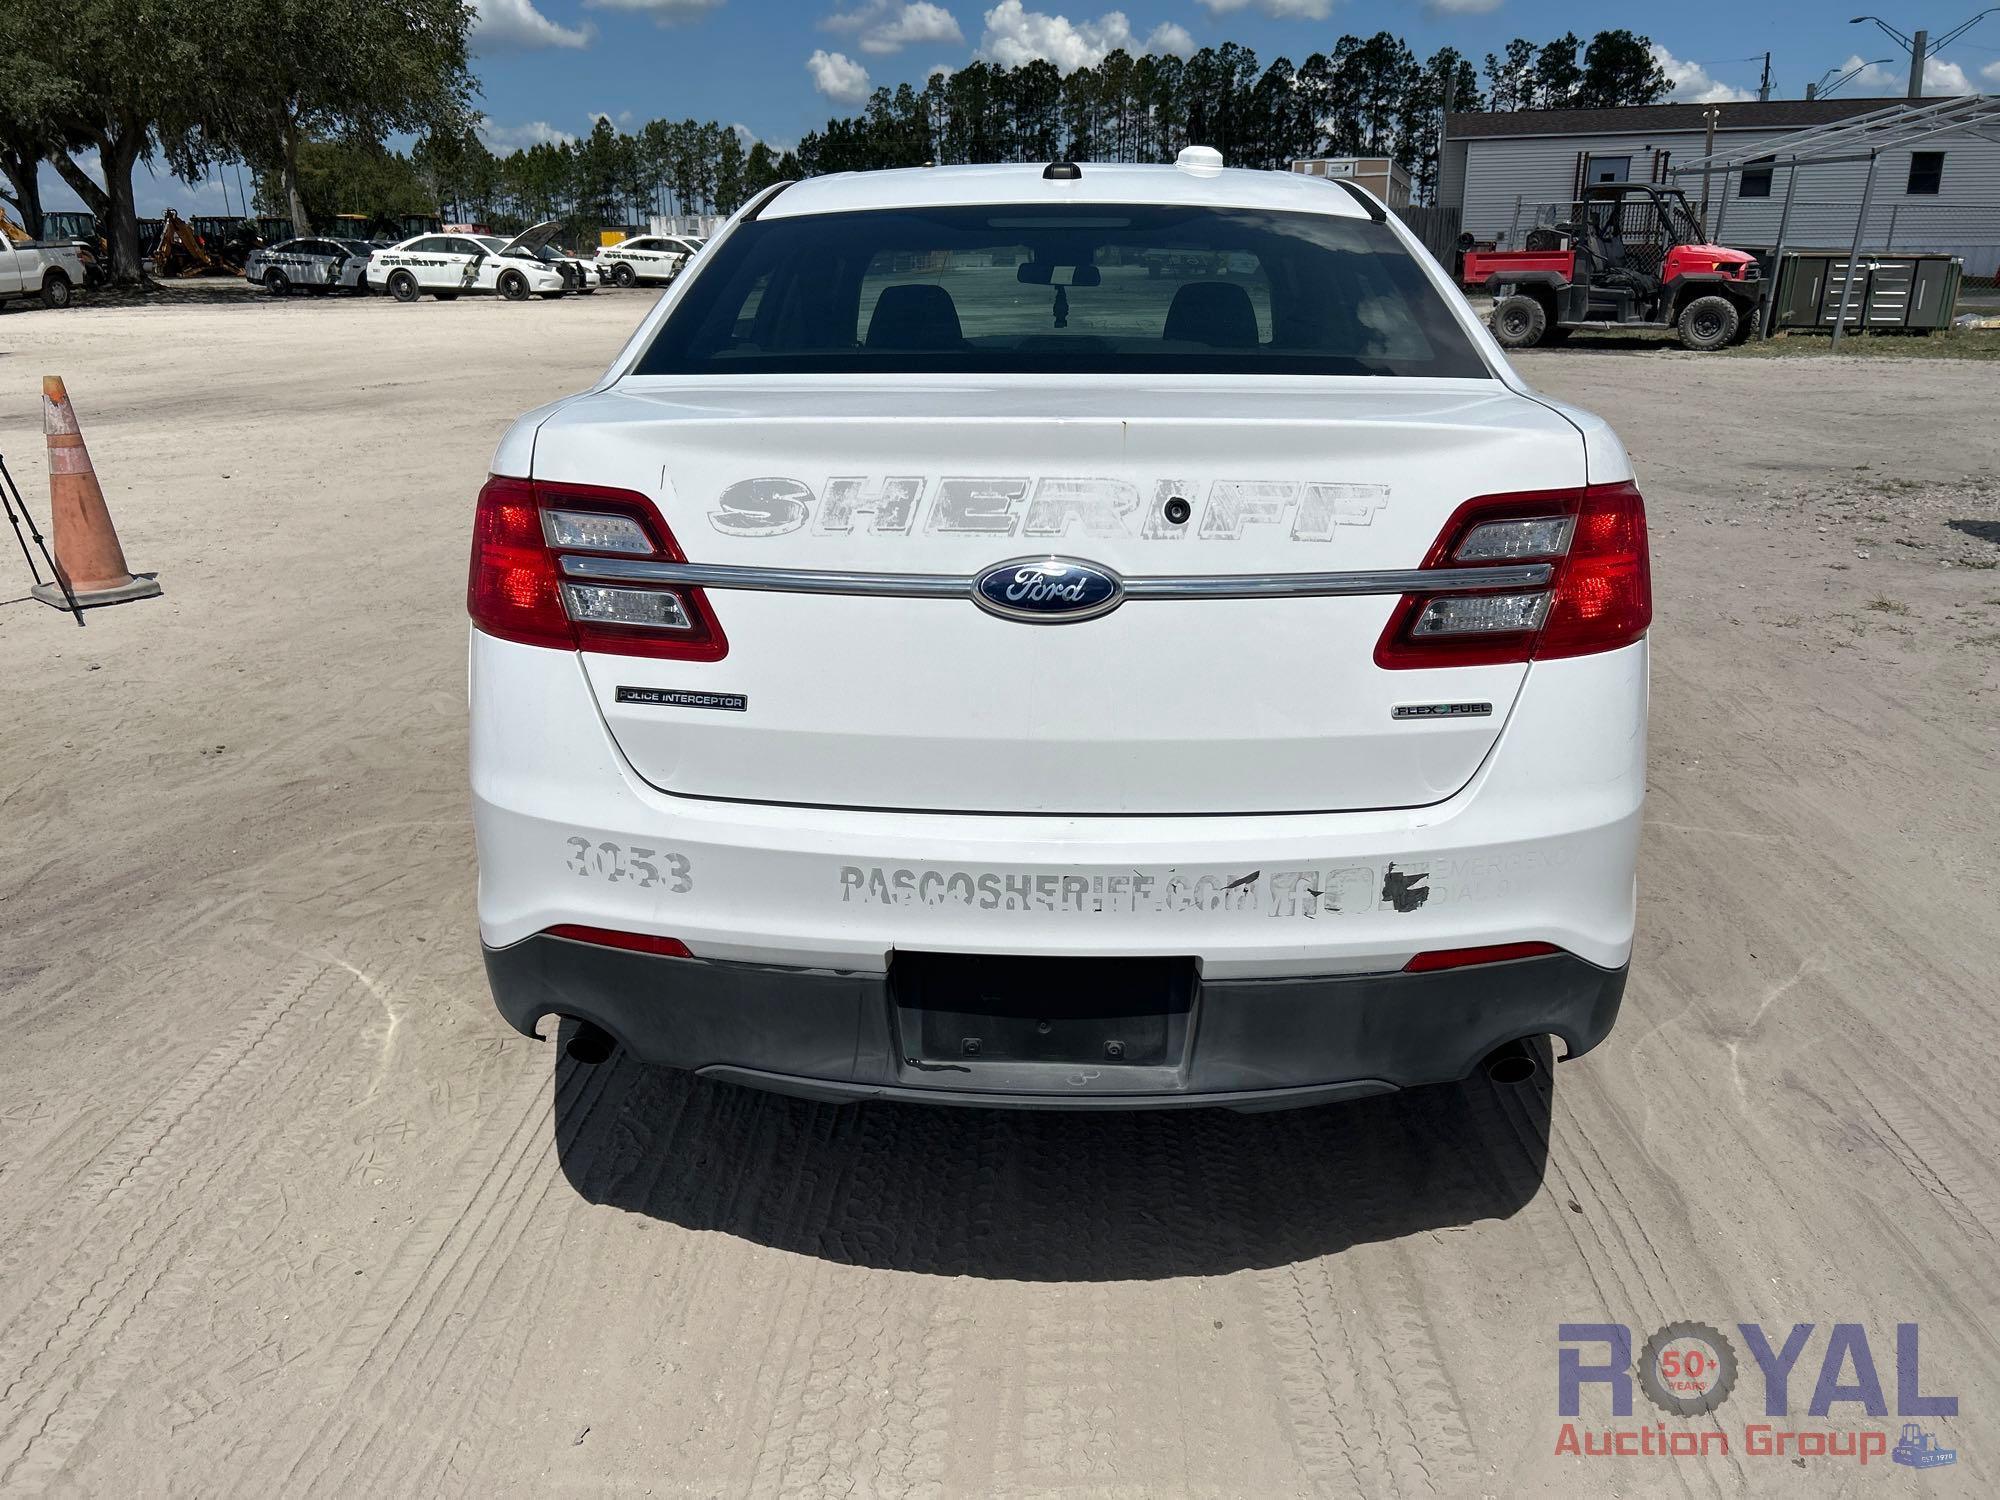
{"x":1859,"y":138}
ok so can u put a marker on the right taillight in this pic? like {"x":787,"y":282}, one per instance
{"x":1598,"y":595}
{"x":517,"y":588}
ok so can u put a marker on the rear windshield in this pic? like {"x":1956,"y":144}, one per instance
{"x":1079,"y":289}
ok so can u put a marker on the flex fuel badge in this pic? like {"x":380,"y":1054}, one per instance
{"x":1441,"y":711}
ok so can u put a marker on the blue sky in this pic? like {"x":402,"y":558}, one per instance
{"x":778,"y":68}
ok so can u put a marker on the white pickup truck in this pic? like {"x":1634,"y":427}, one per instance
{"x":50,"y":272}
{"x":1072,"y":636}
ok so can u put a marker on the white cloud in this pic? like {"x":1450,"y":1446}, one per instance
{"x":1940,"y":77}
{"x":838,"y":76}
{"x":666,"y":12}
{"x":882,"y":27}
{"x":516,"y":26}
{"x":1991,"y":72}
{"x":1692,"y":85}
{"x":503,"y":140}
{"x":1015,"y":35}
{"x":1461,"y":7}
{"x":1303,"y":10}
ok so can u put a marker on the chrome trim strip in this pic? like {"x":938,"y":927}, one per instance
{"x":773,"y":580}
{"x":1338,"y":585}
{"x":959,"y":586}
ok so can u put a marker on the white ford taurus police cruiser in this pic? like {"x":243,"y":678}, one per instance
{"x":645,"y":257}
{"x":448,"y":265}
{"x":1075,"y":636}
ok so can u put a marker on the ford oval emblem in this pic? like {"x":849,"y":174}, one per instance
{"x":1048,"y":590}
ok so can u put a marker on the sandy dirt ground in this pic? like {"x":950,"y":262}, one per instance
{"x":286,"y":1209}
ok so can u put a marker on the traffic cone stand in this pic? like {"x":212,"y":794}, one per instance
{"x":88,"y":556}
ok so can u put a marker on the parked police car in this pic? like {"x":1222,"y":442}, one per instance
{"x":585,"y":277}
{"x":646,"y":257}
{"x":318,"y":264}
{"x":1072,"y":636}
{"x":578,"y":275}
{"x":448,"y":265}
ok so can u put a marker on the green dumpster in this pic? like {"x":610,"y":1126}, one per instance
{"x":1894,"y":291}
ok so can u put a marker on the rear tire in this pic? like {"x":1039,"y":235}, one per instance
{"x":1709,"y":323}
{"x":56,"y":291}
{"x":1519,"y":322}
{"x":403,"y":286}
{"x":623,"y":275}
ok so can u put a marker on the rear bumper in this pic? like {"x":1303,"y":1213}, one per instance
{"x":1250,"y":1043}
{"x":1540,"y":845}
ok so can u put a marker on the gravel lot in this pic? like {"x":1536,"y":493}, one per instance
{"x":286,"y":1209}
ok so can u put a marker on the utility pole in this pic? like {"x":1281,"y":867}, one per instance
{"x":1917,"y":64}
{"x":1711,"y":115}
{"x":1764,"y":86}
{"x":1446,"y":98}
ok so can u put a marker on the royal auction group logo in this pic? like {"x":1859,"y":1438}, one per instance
{"x":1690,"y":1370}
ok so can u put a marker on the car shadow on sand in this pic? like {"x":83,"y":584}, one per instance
{"x":1046,"y":1196}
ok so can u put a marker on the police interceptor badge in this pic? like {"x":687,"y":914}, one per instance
{"x":676,"y":698}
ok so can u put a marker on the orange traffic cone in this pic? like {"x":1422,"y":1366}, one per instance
{"x":88,"y":557}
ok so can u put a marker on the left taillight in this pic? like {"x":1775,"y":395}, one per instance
{"x":517,"y":588}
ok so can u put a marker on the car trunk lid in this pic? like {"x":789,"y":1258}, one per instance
{"x":871,"y":698}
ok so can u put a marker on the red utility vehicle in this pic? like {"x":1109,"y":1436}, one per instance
{"x":1635,"y":256}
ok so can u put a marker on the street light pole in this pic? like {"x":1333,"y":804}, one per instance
{"x":1920,"y":47}
{"x":1823,"y":89}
